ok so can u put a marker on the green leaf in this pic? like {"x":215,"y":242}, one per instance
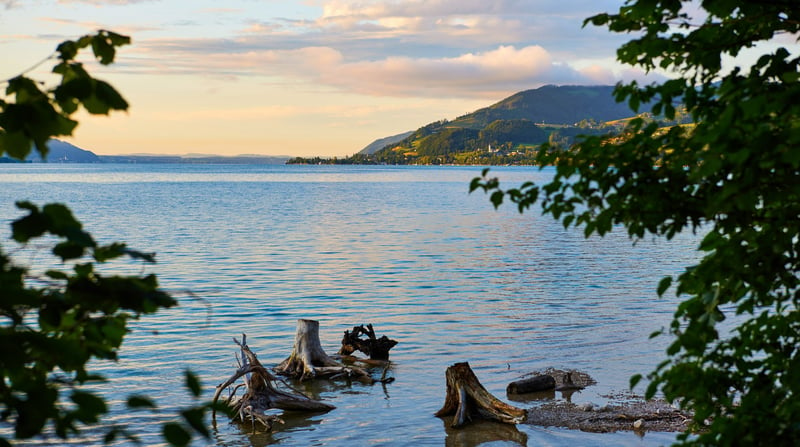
{"x":497,"y":198}
{"x":103,"y":50}
{"x":50,"y":315}
{"x":110,"y":96}
{"x":56,"y":274}
{"x":635,"y":379}
{"x":116,"y":40}
{"x":90,"y":406}
{"x":193,"y":383}
{"x":664,"y":284}
{"x":475,"y":184}
{"x":176,"y":435}
{"x":69,"y":250}
{"x":33,"y":225}
{"x":67,"y":50}
{"x":15,"y":144}
{"x":111,"y":436}
{"x":60,"y":219}
{"x":195,"y":418}
{"x":790,"y":76}
{"x":657,"y":333}
{"x":77,"y":88}
{"x":96,"y":106}
{"x":107,"y":252}
{"x":141,"y":402}
{"x":147,"y":257}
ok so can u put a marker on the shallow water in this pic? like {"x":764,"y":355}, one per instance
{"x":404,"y":248}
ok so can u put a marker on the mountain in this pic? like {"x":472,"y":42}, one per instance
{"x":383,"y":142}
{"x":507,"y":132}
{"x":511,"y":121}
{"x":551,"y":104}
{"x":63,"y":152}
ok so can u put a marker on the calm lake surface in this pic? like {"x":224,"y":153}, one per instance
{"x":404,"y":248}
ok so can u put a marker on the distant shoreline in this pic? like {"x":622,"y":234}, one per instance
{"x":162,"y":159}
{"x":211,"y":159}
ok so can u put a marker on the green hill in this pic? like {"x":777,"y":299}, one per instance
{"x":521,"y":121}
{"x":383,"y":142}
{"x":551,"y":104}
{"x":506,"y":132}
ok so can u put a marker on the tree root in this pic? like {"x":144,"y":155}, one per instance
{"x":466,"y":399}
{"x":375,"y":348}
{"x":261,"y":393}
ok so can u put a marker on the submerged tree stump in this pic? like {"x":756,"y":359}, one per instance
{"x":261,"y":393}
{"x":466,"y":399}
{"x":308,"y":360}
{"x":375,"y":348}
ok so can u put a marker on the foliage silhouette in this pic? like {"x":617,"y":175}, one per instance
{"x":734,"y":175}
{"x":52,"y":325}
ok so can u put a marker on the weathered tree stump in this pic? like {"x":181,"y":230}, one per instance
{"x":532,"y":384}
{"x":308,"y":360}
{"x":261,"y":393}
{"x":375,"y":348}
{"x":466,"y":398}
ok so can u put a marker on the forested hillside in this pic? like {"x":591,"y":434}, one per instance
{"x":503,"y":133}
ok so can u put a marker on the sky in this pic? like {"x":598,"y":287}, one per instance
{"x":308,"y":77}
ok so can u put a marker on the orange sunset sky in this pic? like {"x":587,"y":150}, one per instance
{"x":303,"y":78}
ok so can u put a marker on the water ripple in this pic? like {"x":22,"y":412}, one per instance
{"x":406,"y":249}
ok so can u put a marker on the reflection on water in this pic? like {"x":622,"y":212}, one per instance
{"x":404,"y":248}
{"x":482,"y":432}
{"x":535,"y":397}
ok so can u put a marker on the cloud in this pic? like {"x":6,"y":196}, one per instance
{"x":371,"y":30}
{"x":91,"y":26}
{"x":273,"y":112}
{"x":505,"y":69}
{"x":104,"y":2}
{"x":409,"y":48}
{"x":370,"y":10}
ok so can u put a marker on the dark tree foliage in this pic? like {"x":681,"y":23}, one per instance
{"x":448,"y":141}
{"x":53,"y":324}
{"x":734,"y":176}
{"x":514,"y":131}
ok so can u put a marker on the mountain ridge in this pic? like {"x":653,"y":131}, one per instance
{"x":564,"y":105}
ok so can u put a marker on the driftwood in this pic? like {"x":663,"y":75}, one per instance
{"x":308,"y":360}
{"x":567,"y":384}
{"x":375,"y":348}
{"x":466,"y":399}
{"x":261,"y":393}
{"x":531,"y":385}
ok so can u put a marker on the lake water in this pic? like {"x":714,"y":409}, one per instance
{"x":404,"y":248}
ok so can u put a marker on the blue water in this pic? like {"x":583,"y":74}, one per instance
{"x":251,"y":249}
